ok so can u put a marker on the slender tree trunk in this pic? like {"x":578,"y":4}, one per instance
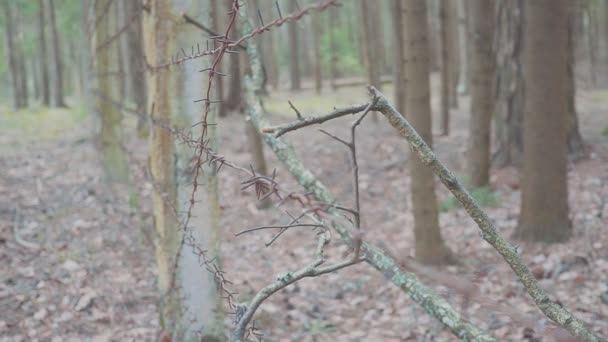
{"x":399,"y":60}
{"x":482,"y":93}
{"x":316,"y":31}
{"x":13,"y":64}
{"x":370,"y":37}
{"x":454,"y":48}
{"x":268,"y":45}
{"x":35,"y":78}
{"x":510,"y":86}
{"x":135,"y":52}
{"x":430,"y":247}
{"x":544,"y":205}
{"x":463,"y":8}
{"x":191,"y":309}
{"x":58,"y":70}
{"x":601,"y":14}
{"x":117,"y":46}
{"x":294,"y":51}
{"x":23,"y":87}
{"x":576,"y":147}
{"x":446,"y":74}
{"x":44,"y":72}
{"x":333,"y":49}
{"x":234,"y":98}
{"x":113,"y":157}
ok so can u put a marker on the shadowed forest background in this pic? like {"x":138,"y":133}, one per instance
{"x":311,"y":170}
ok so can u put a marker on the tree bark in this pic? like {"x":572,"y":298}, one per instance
{"x":576,"y":146}
{"x":317,"y":59}
{"x":482,"y":93}
{"x":446,"y":74}
{"x":544,"y":205}
{"x":11,"y":47}
{"x":430,"y":248}
{"x":332,"y":18}
{"x":44,"y":72}
{"x":508,"y":123}
{"x":234,"y":98}
{"x":113,"y":157}
{"x":294,"y":53}
{"x":454,"y":50}
{"x":370,"y":36}
{"x":137,"y":71}
{"x":399,"y":60}
{"x":191,"y":309}
{"x":57,"y":59}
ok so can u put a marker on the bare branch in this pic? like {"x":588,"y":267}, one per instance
{"x":309,"y":121}
{"x":286,"y":279}
{"x":554,"y":311}
{"x":199,"y":25}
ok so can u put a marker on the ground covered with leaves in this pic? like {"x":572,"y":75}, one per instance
{"x":78,"y":260}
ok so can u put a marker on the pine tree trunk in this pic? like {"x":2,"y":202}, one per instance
{"x":13,"y":63}
{"x":191,"y":309}
{"x":430,"y":247}
{"x":454,"y":51}
{"x":268,"y":45}
{"x":482,"y":92}
{"x":576,"y":147}
{"x":234,"y":98}
{"x":463,"y":9}
{"x":446,"y":74}
{"x":333,"y":49}
{"x":23,"y":87}
{"x":58,"y":67}
{"x":544,"y":205}
{"x":113,"y":157}
{"x":399,"y":60}
{"x":370,"y":37}
{"x":316,"y":31}
{"x":509,"y":116}
{"x":117,"y":46}
{"x":135,"y":52}
{"x":294,"y":51}
{"x":44,"y":72}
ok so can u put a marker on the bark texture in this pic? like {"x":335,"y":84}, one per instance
{"x":113,"y":157}
{"x":370,"y":36}
{"x":44,"y":71}
{"x":294,"y":51}
{"x":430,"y":247}
{"x":544,"y":205}
{"x":57,"y":58}
{"x":137,"y":71}
{"x":482,"y":93}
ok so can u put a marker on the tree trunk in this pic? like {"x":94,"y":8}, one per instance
{"x":464,"y":23}
{"x":446,"y":74}
{"x":191,"y":309}
{"x":399,"y":60}
{"x":510,"y":86}
{"x":267,"y":41}
{"x":370,"y":36}
{"x":453,"y":47}
{"x":44,"y":71}
{"x":544,"y":205}
{"x":58,"y":67}
{"x":576,"y":146}
{"x":23,"y":88}
{"x":430,"y":247}
{"x":601,"y":14}
{"x":135,"y":51}
{"x":316,"y":31}
{"x":294,"y":53}
{"x":482,"y":93}
{"x":113,"y":157}
{"x":117,"y":46}
{"x":35,"y":78}
{"x":234,"y":98}
{"x":11,"y":47}
{"x":333,"y":49}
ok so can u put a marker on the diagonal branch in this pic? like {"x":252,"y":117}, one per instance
{"x":424,"y":296}
{"x":314,"y":120}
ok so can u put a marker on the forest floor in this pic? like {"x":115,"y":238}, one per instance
{"x":78,"y":262}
